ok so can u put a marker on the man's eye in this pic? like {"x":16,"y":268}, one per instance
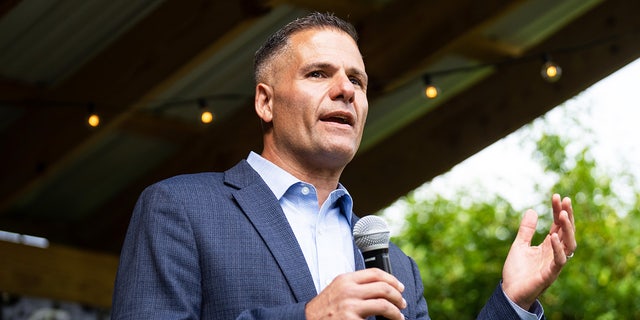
{"x":356,"y":81}
{"x":315,"y":74}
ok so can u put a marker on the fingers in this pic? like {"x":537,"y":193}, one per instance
{"x":382,"y":300}
{"x":566,"y":206}
{"x":527,"y":227}
{"x":559,"y":256}
{"x":563,"y":229}
{"x":557,"y":205}
{"x":560,"y":206}
{"x":568,"y":233}
{"x":359,"y":295}
{"x":564,"y":223}
{"x":377,"y":275}
{"x":377,"y":284}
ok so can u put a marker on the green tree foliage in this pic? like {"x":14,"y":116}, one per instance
{"x":460,"y":243}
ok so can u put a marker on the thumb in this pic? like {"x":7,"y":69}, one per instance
{"x":527,"y":227}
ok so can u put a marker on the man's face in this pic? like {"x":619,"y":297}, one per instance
{"x":319,"y":103}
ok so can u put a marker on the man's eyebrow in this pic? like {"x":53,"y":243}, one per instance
{"x":317,"y":66}
{"x":326,"y":65}
{"x":360,"y":74}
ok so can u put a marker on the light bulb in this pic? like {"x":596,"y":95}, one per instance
{"x":431,"y":91}
{"x":206,"y":117}
{"x":550,"y":71}
{"x":93,"y":120}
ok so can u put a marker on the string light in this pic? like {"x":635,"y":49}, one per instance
{"x":206,"y":116}
{"x":550,"y":71}
{"x":430,"y":91}
{"x":93,"y":119}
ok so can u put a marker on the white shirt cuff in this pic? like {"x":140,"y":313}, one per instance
{"x":534,"y":313}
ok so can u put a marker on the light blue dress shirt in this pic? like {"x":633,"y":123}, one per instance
{"x":323,"y":232}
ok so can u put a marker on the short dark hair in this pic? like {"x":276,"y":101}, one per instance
{"x":278,"y":40}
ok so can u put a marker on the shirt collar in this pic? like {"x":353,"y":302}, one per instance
{"x":275,"y":177}
{"x":279,"y":181}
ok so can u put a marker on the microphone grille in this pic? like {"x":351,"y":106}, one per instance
{"x":371,"y":233}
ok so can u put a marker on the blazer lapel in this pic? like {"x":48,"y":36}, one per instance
{"x":262,"y":208}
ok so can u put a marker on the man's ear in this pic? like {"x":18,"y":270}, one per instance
{"x":264,"y":102}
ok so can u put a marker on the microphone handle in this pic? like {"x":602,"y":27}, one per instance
{"x":377,"y":259}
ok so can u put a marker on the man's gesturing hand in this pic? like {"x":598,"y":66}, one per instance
{"x":529,"y":270}
{"x":358,"y":295}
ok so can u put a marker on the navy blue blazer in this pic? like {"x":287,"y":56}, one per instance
{"x":218,"y":246}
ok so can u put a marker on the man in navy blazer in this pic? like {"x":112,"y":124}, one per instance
{"x":271,"y":238}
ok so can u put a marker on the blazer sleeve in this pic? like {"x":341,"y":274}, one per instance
{"x":499,"y":308}
{"x":158,"y":275}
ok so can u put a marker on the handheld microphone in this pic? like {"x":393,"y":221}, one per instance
{"x":371,"y":235}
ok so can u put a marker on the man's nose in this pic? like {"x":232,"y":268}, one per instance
{"x":343,"y":89}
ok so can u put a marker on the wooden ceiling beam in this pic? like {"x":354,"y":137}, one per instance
{"x":155,"y":48}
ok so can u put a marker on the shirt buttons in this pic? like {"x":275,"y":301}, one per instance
{"x":305,"y":190}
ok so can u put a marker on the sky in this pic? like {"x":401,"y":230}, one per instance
{"x":605,"y":117}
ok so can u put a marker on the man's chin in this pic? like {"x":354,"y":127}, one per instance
{"x":339,"y":155}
